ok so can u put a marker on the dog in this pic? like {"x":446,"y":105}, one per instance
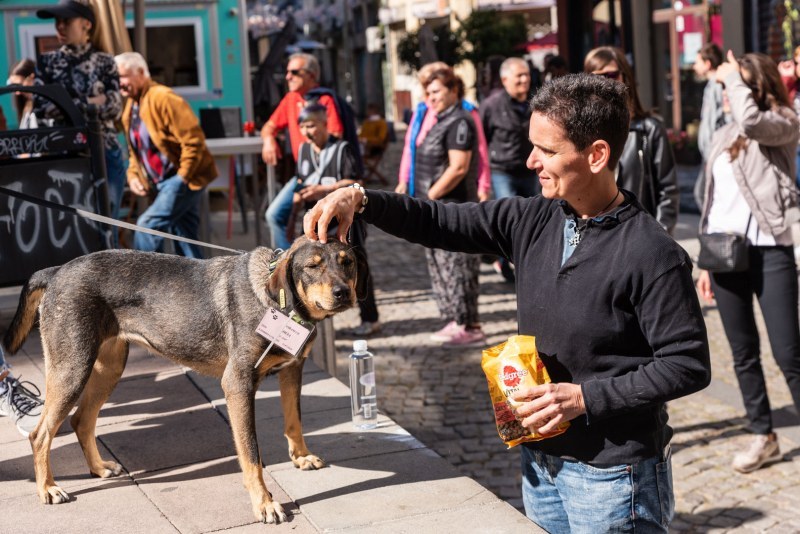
{"x":202,"y":314}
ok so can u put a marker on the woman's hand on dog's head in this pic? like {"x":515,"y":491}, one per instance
{"x":341,"y":204}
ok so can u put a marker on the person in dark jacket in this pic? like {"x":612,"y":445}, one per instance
{"x":605,"y":290}
{"x":647,"y":165}
{"x":505,"y":116}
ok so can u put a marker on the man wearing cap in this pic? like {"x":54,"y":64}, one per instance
{"x":89,"y":76}
{"x":168,"y":155}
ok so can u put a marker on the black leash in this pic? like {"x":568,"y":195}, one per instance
{"x":108,"y":220}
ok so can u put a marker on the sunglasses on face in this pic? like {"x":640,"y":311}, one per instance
{"x":611,"y":75}
{"x":294,"y":72}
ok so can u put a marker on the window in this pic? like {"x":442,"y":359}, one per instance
{"x":176,"y":55}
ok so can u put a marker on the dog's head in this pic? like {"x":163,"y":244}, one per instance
{"x":319,"y":280}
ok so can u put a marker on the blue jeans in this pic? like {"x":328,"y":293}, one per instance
{"x":116,"y":170}
{"x":175,"y":210}
{"x":573,"y":497}
{"x":507,"y":185}
{"x":279,"y":211}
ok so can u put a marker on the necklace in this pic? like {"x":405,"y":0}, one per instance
{"x":576,"y":239}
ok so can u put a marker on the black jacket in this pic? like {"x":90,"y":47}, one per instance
{"x":620,"y":317}
{"x":647,"y":168}
{"x":506,"y":130}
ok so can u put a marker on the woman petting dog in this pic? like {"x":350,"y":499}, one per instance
{"x":605,"y":290}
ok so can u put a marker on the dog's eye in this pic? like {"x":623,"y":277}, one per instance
{"x":312,"y":265}
{"x":347,"y":262}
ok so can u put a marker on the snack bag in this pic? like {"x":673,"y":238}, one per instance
{"x":509,"y":367}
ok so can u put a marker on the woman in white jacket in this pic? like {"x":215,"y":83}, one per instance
{"x":751,"y":191}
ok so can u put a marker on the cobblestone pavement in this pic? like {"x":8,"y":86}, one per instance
{"x":440,"y":396}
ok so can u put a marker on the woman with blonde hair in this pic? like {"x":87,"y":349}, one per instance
{"x":751,"y":191}
{"x":647,"y":165}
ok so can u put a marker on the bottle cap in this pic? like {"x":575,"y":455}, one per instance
{"x":360,"y":345}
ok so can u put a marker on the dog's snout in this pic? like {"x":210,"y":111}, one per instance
{"x":341,"y":292}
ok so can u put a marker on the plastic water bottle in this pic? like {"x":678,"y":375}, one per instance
{"x":363,"y":401}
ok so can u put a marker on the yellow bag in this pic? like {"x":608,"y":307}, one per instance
{"x":509,"y":367}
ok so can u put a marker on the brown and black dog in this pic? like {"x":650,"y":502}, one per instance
{"x":199,"y":313}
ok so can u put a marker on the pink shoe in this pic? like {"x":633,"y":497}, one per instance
{"x":445,"y":333}
{"x":467,"y":337}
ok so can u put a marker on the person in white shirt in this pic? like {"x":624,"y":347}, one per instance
{"x":751,"y":191}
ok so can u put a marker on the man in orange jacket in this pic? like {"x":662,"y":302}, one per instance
{"x":168,"y":154}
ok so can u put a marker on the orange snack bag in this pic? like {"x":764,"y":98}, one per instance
{"x":509,"y":367}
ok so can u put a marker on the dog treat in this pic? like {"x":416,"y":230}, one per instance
{"x":509,"y":367}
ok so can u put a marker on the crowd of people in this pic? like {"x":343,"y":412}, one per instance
{"x":570,"y":187}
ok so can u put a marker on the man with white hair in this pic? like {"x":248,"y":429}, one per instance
{"x":168,"y":155}
{"x":505,"y":116}
{"x":302,"y":75}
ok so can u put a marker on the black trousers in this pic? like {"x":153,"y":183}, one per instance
{"x":772,"y":278}
{"x":368,"y":308}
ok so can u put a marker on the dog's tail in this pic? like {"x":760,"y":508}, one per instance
{"x":29,"y":300}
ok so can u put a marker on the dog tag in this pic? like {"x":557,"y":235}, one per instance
{"x":278,"y":328}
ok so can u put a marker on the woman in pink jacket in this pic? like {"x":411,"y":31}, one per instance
{"x":421,"y":124}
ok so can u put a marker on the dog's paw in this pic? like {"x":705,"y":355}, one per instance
{"x":309,"y":462}
{"x":106,"y":470}
{"x":53,"y":495}
{"x":270,"y":512}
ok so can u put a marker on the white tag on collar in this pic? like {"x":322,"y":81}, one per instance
{"x":282,"y":330}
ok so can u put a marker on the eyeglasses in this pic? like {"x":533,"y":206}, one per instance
{"x":611,"y":74}
{"x":294,"y":72}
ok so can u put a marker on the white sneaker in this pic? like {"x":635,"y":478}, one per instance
{"x":763,"y":450}
{"x":21,"y":404}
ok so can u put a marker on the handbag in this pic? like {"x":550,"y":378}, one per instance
{"x":724,"y":252}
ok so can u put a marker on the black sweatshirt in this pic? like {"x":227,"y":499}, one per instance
{"x":620,"y":317}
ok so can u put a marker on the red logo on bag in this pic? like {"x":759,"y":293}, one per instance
{"x":512,"y":376}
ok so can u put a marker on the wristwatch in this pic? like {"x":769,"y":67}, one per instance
{"x":358,"y":187}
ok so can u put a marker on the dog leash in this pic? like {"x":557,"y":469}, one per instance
{"x":109,"y":221}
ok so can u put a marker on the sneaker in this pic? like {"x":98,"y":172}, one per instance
{"x":21,"y":404}
{"x":466,"y":337}
{"x":445,"y":333}
{"x":763,"y":449}
{"x":366,"y":328}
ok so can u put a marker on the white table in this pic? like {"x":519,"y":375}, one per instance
{"x":242,"y":146}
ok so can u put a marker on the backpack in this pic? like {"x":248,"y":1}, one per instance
{"x":348,"y":118}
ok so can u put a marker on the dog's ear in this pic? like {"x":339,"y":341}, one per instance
{"x":280,"y":285}
{"x":362,"y":273}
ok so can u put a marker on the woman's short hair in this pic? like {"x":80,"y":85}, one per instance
{"x":448,"y":78}
{"x":588,"y":108}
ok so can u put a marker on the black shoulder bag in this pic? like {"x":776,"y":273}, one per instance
{"x":724,"y":252}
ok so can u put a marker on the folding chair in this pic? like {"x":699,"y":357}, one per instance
{"x":372,"y":159}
